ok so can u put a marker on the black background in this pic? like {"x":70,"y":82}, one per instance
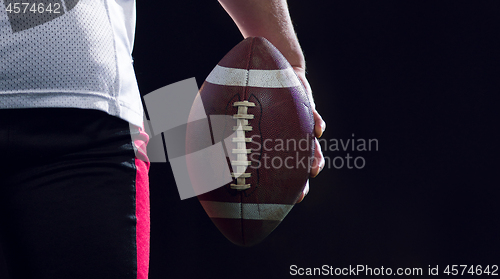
{"x":422,"y":77}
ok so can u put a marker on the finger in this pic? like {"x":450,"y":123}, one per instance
{"x":319,"y":124}
{"x":304,"y":192}
{"x":318,"y":161}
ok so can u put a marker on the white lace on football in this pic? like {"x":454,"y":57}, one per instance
{"x":241,"y":162}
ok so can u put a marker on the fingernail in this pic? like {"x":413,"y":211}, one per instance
{"x":320,"y":132}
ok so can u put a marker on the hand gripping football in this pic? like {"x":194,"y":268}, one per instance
{"x":268,"y":139}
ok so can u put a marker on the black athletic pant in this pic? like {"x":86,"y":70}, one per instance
{"x":69,"y":200}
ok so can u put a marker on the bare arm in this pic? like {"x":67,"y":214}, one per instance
{"x":269,"y":19}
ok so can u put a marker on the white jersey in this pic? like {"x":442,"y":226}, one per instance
{"x":69,"y":53}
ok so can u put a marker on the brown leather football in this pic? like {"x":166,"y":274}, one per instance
{"x":268,"y":139}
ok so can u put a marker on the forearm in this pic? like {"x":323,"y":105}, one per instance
{"x":269,"y":19}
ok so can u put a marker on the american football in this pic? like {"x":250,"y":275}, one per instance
{"x":268,"y":140}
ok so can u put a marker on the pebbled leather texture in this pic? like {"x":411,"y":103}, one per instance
{"x":282,"y":132}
